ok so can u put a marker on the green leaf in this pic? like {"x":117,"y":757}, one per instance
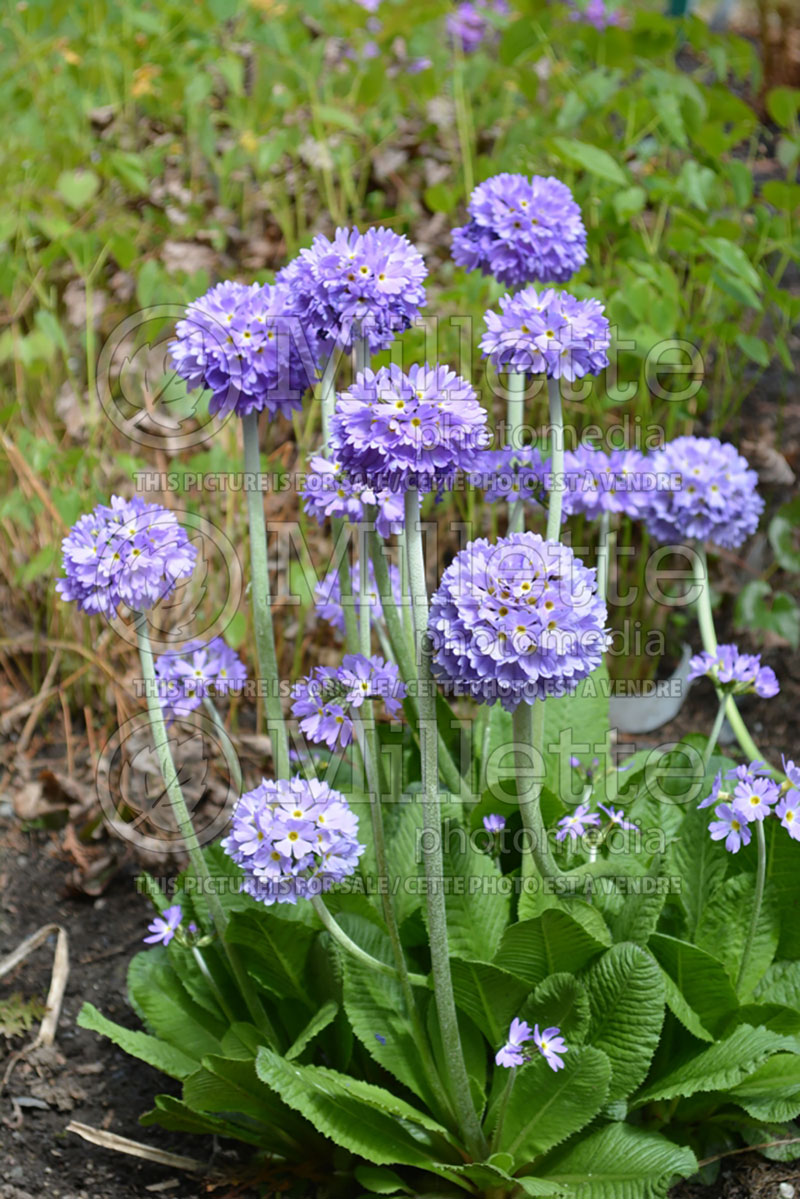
{"x":772,"y":1092}
{"x":754,"y":347}
{"x":783,"y":105}
{"x":158,"y":1054}
{"x":478,"y":909}
{"x":277,"y":950}
{"x":626,"y":998}
{"x":489,"y":996}
{"x":734,"y":259}
{"x":548,"y":1105}
{"x":780,"y":984}
{"x":620,"y":1162}
{"x":697,"y":861}
{"x":628,"y":203}
{"x":561,"y":1001}
{"x":708,"y":998}
{"x":178,"y":1116}
{"x":379,"y":1180}
{"x":725,"y":927}
{"x":571,"y":724}
{"x":554,"y":942}
{"x":590,"y":158}
{"x":363,"y":1118}
{"x":164,"y":1006}
{"x":783,"y":535}
{"x":225,"y":1085}
{"x":317,"y":1024}
{"x":759,"y":607}
{"x":77,"y":188}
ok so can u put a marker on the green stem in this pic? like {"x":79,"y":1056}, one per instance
{"x":355,"y":951}
{"x":515,"y":387}
{"x":432,"y":847}
{"x":761,"y":873}
{"x":556,"y":460}
{"x":341,"y":535}
{"x":360,"y":354}
{"x":528,"y":726}
{"x":260,"y":597}
{"x":327,"y":395}
{"x":501,"y":1115}
{"x":705,"y":619}
{"x":603,"y":557}
{"x":714,"y":734}
{"x":233,"y":760}
{"x":365,"y":607}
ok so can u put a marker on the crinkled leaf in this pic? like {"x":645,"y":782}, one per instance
{"x":626,"y":998}
{"x":167,"y":1058}
{"x":700,"y":980}
{"x":620,"y":1162}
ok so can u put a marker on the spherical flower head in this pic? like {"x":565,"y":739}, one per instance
{"x":575,"y":824}
{"x":494,"y":823}
{"x":127,"y":552}
{"x":510,"y":475}
{"x":753,"y":799}
{"x":328,"y":596}
{"x":551,"y":1045}
{"x":366,"y":285}
{"x":511,"y":1053}
{"x":164,"y":927}
{"x":324,"y":700}
{"x":788,"y":812}
{"x":708,"y":493}
{"x":401,"y":430}
{"x":469,"y":26}
{"x":596,"y":482}
{"x":293,"y":838}
{"x":734,"y":672}
{"x":518,"y":620}
{"x":246,"y":345}
{"x":329,"y":492}
{"x":522,"y":231}
{"x":548,"y":332}
{"x":730,"y":827}
{"x":200,"y":669}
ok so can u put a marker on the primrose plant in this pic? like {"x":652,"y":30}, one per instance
{"x":448,"y":943}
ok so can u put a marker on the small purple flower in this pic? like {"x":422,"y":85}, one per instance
{"x":394,"y":430}
{"x":358,"y":285}
{"x":328,"y":492}
{"x":575,"y":824}
{"x":754,"y":798}
{"x":494,"y":823}
{"x":594,"y":13}
{"x":511,"y":1053}
{"x":749,"y":771}
{"x":708,"y":493}
{"x":469,"y":26}
{"x":791,"y":771}
{"x":127,"y":552}
{"x":323,"y":700}
{"x":734,"y":672}
{"x":617,"y":818}
{"x":575,"y":762}
{"x":711,"y":799}
{"x":730,"y":826}
{"x":200,"y":669}
{"x":164,"y":927}
{"x":788,"y":812}
{"x":328,"y":596}
{"x":551,"y":1045}
{"x":522,"y":231}
{"x":548,"y":332}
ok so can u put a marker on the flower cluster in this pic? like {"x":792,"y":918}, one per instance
{"x":750,"y":794}
{"x":517,"y":621}
{"x":549,"y":1043}
{"x":126,"y":552}
{"x":468,"y":25}
{"x":521,"y":231}
{"x":512,"y":474}
{"x":322,"y":701}
{"x":293,"y":838}
{"x":247,"y":346}
{"x":401,"y":430}
{"x":200,"y":669}
{"x":596,"y":482}
{"x":329,"y":492}
{"x":548,"y":332}
{"x":358,"y":285}
{"x":734,"y":672}
{"x":713,"y":497}
{"x":328,"y":595}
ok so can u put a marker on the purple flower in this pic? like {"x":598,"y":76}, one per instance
{"x":708,"y":492}
{"x":597,"y":482}
{"x":129,"y":552}
{"x":494,"y":823}
{"x":469,"y":26}
{"x":358,"y":285}
{"x":200,"y":669}
{"x":511,"y":1053}
{"x":575,"y":824}
{"x":248,"y":347}
{"x":551,"y":1045}
{"x":575,"y":762}
{"x":328,"y":595}
{"x":791,"y":771}
{"x":748,"y":771}
{"x":322,"y":701}
{"x":164,"y":927}
{"x":753,"y":798}
{"x":617,"y":818}
{"x":735,"y":672}
{"x":416,"y":430}
{"x":711,"y":799}
{"x":594,"y":13}
{"x":522,"y":231}
{"x":512,"y":475}
{"x":788,"y":811}
{"x":328,"y":492}
{"x":517,"y":621}
{"x":548,"y":332}
{"x":293,"y":839}
{"x":730,"y":826}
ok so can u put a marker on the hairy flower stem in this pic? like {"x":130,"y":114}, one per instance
{"x":260,"y":597}
{"x":327,"y":395}
{"x":432,"y":849}
{"x":186,"y":829}
{"x":355,"y":951}
{"x":341,"y":538}
{"x":761,"y":874}
{"x":232,"y":760}
{"x":528,"y":726}
{"x":501,"y":1115}
{"x":365,"y":607}
{"x":705,"y":619}
{"x":515,"y":387}
{"x":556,"y":460}
{"x":360,"y":354}
{"x":713,"y":736}
{"x":603,"y":557}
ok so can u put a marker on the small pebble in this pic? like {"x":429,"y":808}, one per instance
{"x":786,"y":1191}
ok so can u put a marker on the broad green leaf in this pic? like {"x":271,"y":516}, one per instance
{"x":548,"y":1105}
{"x":363,"y":1118}
{"x":317,"y":1024}
{"x":780,"y":984}
{"x":78,"y":188}
{"x":477,"y":909}
{"x":783,"y":535}
{"x":489,"y":996}
{"x":772,"y":1092}
{"x":277,"y":950}
{"x":488,"y":1175}
{"x":224,"y":1086}
{"x":161,"y":1001}
{"x":700,"y":979}
{"x":167,"y":1058}
{"x":560,"y":1000}
{"x":552,"y":943}
{"x":698,"y":862}
{"x":379,"y":1180}
{"x":620,"y":1162}
{"x":626,"y":998}
{"x":592,"y":159}
{"x":754,"y":347}
{"x":734,"y":259}
{"x":725,"y":927}
{"x":576,"y":725}
{"x":174,"y":1114}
